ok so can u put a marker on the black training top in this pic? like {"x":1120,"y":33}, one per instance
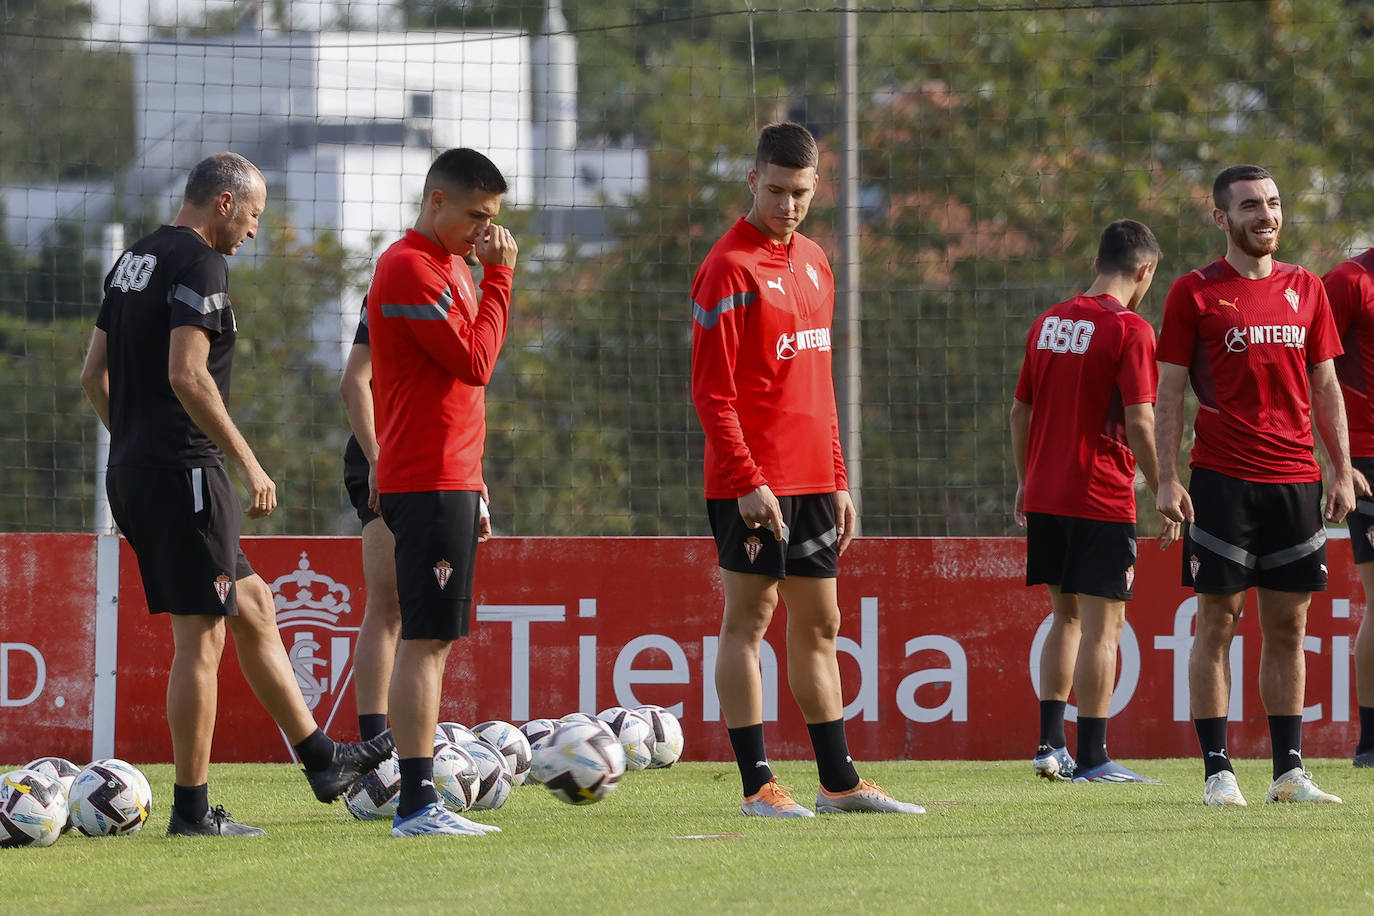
{"x":167,"y":279}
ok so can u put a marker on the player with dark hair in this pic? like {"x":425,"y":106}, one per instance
{"x":762,"y":305}
{"x":381,"y":627}
{"x":157,"y":373}
{"x":1350,"y":286}
{"x":1081,"y":421}
{"x":1258,"y":339}
{"x":434,"y":346}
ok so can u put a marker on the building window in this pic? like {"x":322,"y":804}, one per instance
{"x":420,"y":105}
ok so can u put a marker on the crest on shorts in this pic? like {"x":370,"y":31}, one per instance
{"x":814,"y":277}
{"x":313,"y":617}
{"x":752,"y":546}
{"x":222,"y":584}
{"x":1194,"y":565}
{"x":1292,"y":298}
{"x":442,"y":571}
{"x":1369,"y":536}
{"x":1130,"y":577}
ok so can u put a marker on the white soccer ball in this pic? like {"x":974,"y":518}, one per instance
{"x":580,"y":763}
{"x":494,"y":778}
{"x":457,"y":777}
{"x":376,"y":794}
{"x":453,"y":733}
{"x":33,"y":810}
{"x":582,"y":717}
{"x":61,"y":769}
{"x":635,"y":734}
{"x":536,"y":732}
{"x":511,"y":743}
{"x":110,"y":797}
{"x":668,"y":738}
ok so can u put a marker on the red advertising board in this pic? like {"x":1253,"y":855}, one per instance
{"x":937,"y":648}
{"x":47,"y":645}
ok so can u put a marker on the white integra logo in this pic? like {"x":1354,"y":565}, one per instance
{"x":1062,"y":335}
{"x":1293,"y":336}
{"x":789,"y":345}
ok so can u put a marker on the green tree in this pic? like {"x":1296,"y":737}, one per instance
{"x":66,"y":111}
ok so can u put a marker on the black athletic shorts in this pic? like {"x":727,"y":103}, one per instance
{"x":1361,"y":521}
{"x":436,"y":549}
{"x":1082,"y":556}
{"x":811,"y":546}
{"x":183,"y":524}
{"x":356,"y":469}
{"x":1245,"y":534}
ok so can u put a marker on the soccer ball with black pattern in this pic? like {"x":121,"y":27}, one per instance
{"x":61,"y":769}
{"x":494,"y":779}
{"x":580,"y":763}
{"x":668,"y":739}
{"x":635,"y":733}
{"x":511,"y":743}
{"x":536,"y":732}
{"x":33,"y":810}
{"x":454,"y":733}
{"x":456,"y":776}
{"x":110,"y":797}
{"x":376,"y":794}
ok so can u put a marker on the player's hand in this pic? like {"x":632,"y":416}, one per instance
{"x":1169,"y":531}
{"x":1020,"y":505}
{"x":1340,"y":501}
{"x":374,"y":496}
{"x":496,"y":246}
{"x":1361,"y":483}
{"x":760,"y":509}
{"x":1173,"y":501}
{"x":846,"y":518}
{"x":262,"y":492}
{"x":484,"y":517}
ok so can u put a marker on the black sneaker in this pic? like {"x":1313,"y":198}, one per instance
{"x":351,"y":762}
{"x":216,"y":822}
{"x":1365,"y":759}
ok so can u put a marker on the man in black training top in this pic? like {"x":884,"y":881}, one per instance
{"x":157,"y":373}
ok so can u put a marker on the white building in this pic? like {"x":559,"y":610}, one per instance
{"x":344,"y":125}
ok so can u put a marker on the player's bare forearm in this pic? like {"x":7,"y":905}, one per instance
{"x":355,"y":387}
{"x":1140,"y":435}
{"x":1171,"y":498}
{"x":1020,"y":436}
{"x":196,"y":390}
{"x":1328,"y":410}
{"x":95,"y":376}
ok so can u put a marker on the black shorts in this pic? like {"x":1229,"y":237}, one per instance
{"x":1245,"y":534}
{"x":436,"y":549}
{"x":1082,"y":556}
{"x":1361,"y":521}
{"x":183,"y":524}
{"x":356,"y":469}
{"x":811,"y":547}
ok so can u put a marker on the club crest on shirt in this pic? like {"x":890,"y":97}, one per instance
{"x":1194,"y":565}
{"x":222,"y":583}
{"x":442,"y":571}
{"x":752,"y":546}
{"x":1130,"y":577}
{"x":1292,"y":298}
{"x":815,"y":277}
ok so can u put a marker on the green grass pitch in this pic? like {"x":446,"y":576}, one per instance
{"x":995,"y":840}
